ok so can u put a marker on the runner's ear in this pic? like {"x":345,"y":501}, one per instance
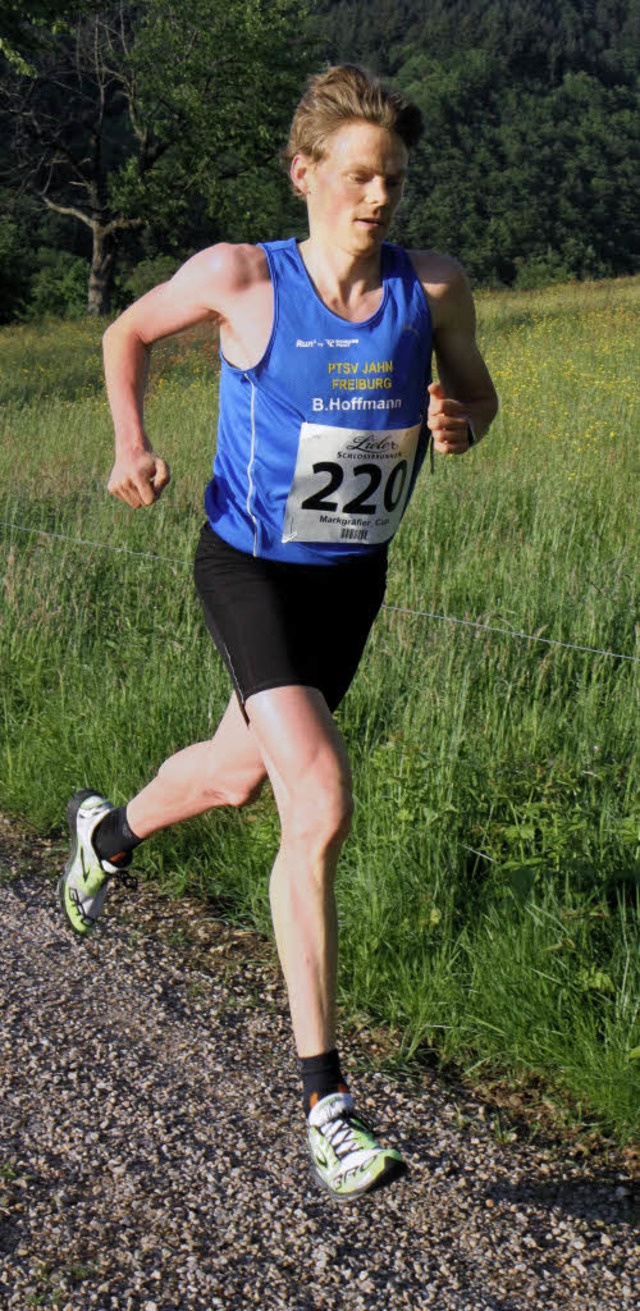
{"x":301,"y":166}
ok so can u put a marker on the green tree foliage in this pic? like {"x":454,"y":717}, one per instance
{"x":529,"y":169}
{"x":510,"y":175}
{"x":23,"y":23}
{"x":217,"y":122}
{"x":14,"y":268}
{"x":138,"y":117}
{"x":368,"y":32}
{"x":150,"y":128}
{"x":539,"y":43}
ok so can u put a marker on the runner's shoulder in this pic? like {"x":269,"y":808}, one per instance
{"x":443,"y":279}
{"x":231,"y":268}
{"x":437,"y":271}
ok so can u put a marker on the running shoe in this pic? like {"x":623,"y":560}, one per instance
{"x":83,"y":887}
{"x":346,"y":1158}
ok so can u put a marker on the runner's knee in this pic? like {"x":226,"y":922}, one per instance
{"x":319,"y":813}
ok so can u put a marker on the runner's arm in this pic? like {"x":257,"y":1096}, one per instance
{"x":465,"y":395}
{"x":139,"y":475}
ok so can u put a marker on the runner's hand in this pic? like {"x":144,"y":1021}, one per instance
{"x":139,"y":479}
{"x":448,"y":422}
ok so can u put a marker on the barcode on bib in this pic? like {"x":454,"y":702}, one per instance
{"x":354,"y":534}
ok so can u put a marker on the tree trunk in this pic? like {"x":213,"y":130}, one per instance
{"x":103,"y":261}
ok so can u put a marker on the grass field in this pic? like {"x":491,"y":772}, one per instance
{"x":490,"y":892}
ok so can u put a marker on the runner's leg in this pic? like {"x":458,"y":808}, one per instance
{"x":307,"y":763}
{"x":228,"y":770}
{"x":293,"y":733}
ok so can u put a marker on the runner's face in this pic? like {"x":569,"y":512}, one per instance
{"x":353,"y":191}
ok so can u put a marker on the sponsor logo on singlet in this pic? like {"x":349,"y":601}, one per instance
{"x":341,"y":343}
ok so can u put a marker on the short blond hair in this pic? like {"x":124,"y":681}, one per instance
{"x":347,"y":93}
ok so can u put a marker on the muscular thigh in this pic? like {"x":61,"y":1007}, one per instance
{"x":300,"y":742}
{"x":234,"y":753}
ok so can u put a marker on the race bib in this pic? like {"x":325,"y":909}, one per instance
{"x":349,"y":484}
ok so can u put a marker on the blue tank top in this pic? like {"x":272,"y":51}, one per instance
{"x":319,"y":444}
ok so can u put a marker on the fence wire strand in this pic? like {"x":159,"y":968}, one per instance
{"x":395,"y":609}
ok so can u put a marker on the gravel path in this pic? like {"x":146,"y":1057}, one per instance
{"x":147,"y":1089}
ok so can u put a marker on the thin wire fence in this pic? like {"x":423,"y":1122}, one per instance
{"x":397,"y":609}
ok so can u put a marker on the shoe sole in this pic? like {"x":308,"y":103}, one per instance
{"x":72,"y":815}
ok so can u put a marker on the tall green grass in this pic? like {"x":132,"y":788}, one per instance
{"x":490,"y":892}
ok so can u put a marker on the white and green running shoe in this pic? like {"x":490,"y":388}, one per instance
{"x":345,"y":1156}
{"x":83,"y":887}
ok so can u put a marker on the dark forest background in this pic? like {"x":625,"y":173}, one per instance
{"x":133,"y":134}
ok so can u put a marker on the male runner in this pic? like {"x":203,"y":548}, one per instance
{"x":326,"y":377}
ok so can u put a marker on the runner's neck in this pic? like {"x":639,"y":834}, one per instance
{"x":349,"y":285}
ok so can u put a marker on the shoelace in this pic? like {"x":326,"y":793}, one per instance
{"x":126,"y":878}
{"x":342,"y":1136}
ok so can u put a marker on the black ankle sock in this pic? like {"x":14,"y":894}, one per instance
{"x":321,"y":1075}
{"x":113,"y":840}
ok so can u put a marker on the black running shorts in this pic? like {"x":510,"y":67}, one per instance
{"x":277,"y":624}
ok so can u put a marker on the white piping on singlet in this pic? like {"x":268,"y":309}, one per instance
{"x":252,"y":457}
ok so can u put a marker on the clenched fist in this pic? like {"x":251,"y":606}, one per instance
{"x":448,"y":422}
{"x":138,"y":479}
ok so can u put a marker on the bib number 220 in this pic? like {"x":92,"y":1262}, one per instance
{"x":362,"y":503}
